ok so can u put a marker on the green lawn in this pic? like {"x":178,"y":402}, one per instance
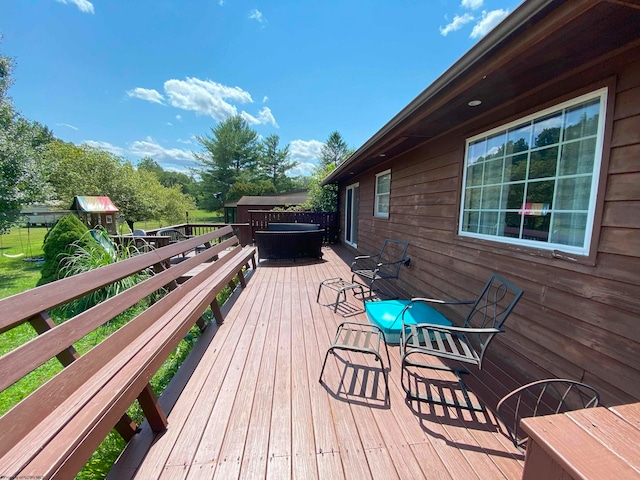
{"x":17,"y":275}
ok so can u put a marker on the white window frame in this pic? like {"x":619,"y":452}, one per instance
{"x":379,"y":195}
{"x":583,"y":249}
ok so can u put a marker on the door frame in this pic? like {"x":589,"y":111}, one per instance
{"x":351,"y":205}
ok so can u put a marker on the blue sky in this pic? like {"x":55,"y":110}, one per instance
{"x":143,"y":77}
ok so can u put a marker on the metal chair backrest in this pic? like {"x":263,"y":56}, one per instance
{"x":491,"y":310}
{"x":392,"y":252}
{"x":543,"y":397}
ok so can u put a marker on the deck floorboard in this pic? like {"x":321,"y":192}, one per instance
{"x":252,"y":405}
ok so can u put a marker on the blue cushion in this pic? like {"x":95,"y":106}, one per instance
{"x":386,"y":315}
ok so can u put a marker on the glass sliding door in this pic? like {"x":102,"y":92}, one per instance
{"x":351,"y":214}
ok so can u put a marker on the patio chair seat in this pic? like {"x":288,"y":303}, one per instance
{"x":387,"y":315}
{"x":466,"y":344}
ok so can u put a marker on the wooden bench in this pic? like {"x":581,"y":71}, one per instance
{"x":583,"y":444}
{"x":54,"y":431}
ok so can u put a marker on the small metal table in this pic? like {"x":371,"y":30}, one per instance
{"x":341,"y":286}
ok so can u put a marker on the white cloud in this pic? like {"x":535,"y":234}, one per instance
{"x":305,"y":151}
{"x":265,"y":99}
{"x":83,"y":5}
{"x":456,"y":24}
{"x":472,"y":4}
{"x":305,"y":169}
{"x":205,"y":97}
{"x":189,"y":141}
{"x":264,"y":116}
{"x":256,"y":15}
{"x":150,"y":148}
{"x":175,"y":159}
{"x":72,"y":127}
{"x":105,"y":146}
{"x":170,"y":124}
{"x":488,"y":21}
{"x":148,"y":94}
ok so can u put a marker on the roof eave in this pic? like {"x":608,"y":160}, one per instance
{"x":516,"y":20}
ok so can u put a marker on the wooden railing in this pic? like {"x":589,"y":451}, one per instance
{"x":329,"y":221}
{"x":241,"y":230}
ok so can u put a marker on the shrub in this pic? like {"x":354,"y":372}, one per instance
{"x":95,"y":252}
{"x":60,"y":242}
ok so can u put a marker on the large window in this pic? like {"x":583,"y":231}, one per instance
{"x":383,"y":192}
{"x":534,"y":181}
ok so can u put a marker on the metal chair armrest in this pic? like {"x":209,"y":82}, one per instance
{"x":454,"y":329}
{"x":392,"y":263}
{"x":443,"y":302}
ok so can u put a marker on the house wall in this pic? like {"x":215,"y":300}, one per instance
{"x":578,"y":320}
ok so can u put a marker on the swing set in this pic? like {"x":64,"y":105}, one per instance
{"x":23,"y":251}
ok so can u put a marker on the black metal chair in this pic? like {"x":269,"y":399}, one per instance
{"x":383,"y":265}
{"x":467,"y":344}
{"x":543,"y":397}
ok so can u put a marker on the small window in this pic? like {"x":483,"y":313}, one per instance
{"x":534,"y":182}
{"x":383,"y":192}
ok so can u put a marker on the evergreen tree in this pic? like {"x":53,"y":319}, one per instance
{"x":334,"y":151}
{"x":275,"y":162}
{"x":60,"y":242}
{"x":231,"y":149}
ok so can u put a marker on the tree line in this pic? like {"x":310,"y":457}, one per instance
{"x":36,"y":167}
{"x":235,"y":162}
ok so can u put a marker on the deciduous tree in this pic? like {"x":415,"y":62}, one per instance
{"x":21,"y":144}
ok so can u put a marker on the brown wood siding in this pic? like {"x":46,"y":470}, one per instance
{"x":577,"y":319}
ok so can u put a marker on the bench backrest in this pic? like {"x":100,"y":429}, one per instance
{"x":34,"y":305}
{"x":21,"y":307}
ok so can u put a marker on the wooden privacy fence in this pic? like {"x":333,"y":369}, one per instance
{"x":329,"y":221}
{"x":53,"y":432}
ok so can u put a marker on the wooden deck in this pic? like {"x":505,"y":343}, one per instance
{"x":248,"y":404}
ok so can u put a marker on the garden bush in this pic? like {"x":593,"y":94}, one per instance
{"x":60,"y":242}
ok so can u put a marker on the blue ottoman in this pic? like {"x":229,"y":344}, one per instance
{"x":386,"y":315}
